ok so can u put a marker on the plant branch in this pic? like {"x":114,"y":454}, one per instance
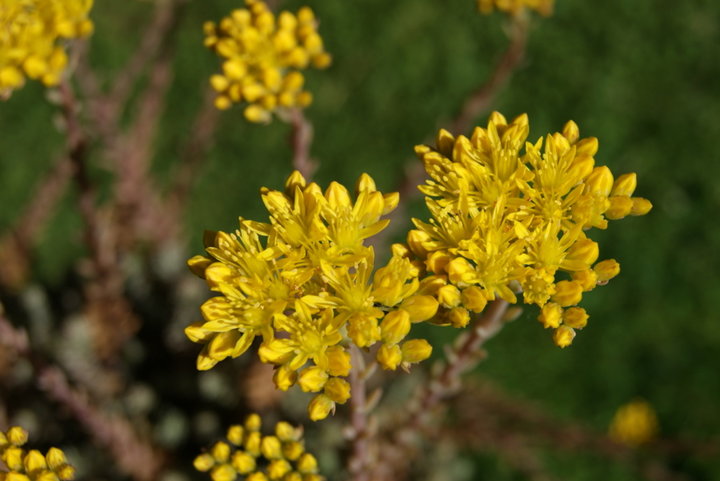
{"x":301,"y":141}
{"x":360,"y":459}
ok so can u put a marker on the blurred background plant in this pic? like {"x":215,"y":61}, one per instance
{"x":96,"y":294}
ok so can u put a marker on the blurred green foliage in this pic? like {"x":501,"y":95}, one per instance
{"x":640,"y":75}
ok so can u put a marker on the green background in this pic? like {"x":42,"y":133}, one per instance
{"x":640,"y":75}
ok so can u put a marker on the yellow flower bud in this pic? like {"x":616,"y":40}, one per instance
{"x":256,"y":114}
{"x":600,"y":181}
{"x":235,"y":434}
{"x":65,"y":472}
{"x":363,"y":330}
{"x":252,"y":443}
{"x":587,"y":279}
{"x":284,"y":377}
{"x":253,"y":422}
{"x":224,"y":472}
{"x":293,"y":450}
{"x":620,"y":207}
{"x":449,"y":296}
{"x":338,"y":361}
{"x":257,"y":476}
{"x":473,"y":298}
{"x":437,"y":261}
{"x":220,"y":451}
{"x":55,"y":458}
{"x":243,"y":462}
{"x":571,"y":131}
{"x":416,"y":240}
{"x":271,"y":447}
{"x":389,"y":356}
{"x":563,"y":336}
{"x":624,"y":185}
{"x":278,"y":468}
{"x":606,"y":270}
{"x":458,"y":317}
{"x":550,"y":315}
{"x":312,"y":379}
{"x":460,"y":271}
{"x":415,"y":350}
{"x":204,"y":462}
{"x":581,"y":255}
{"x":275,"y":351}
{"x":307,"y":464}
{"x":640,"y":206}
{"x":320,"y":407}
{"x":337,"y":389}
{"x":286,"y":432}
{"x":17,"y":436}
{"x":12,"y":457}
{"x":395,"y":326}
{"x":575,"y":317}
{"x":13,"y":476}
{"x":34,"y":461}
{"x":420,"y":308}
{"x":567,"y":293}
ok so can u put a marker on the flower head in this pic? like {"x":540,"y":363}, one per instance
{"x":257,"y":457}
{"x":305,"y":283}
{"x":31,"y":32}
{"x":262,"y":58}
{"x":30,"y":464}
{"x":634,"y":423}
{"x":510,"y":217}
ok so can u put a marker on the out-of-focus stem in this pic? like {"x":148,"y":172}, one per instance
{"x":360,"y":457}
{"x":302,"y":137}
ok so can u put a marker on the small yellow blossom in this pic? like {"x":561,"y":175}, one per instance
{"x":514,"y":7}
{"x":513,"y":217}
{"x":634,"y":423}
{"x":262,"y":58}
{"x":305,"y":283}
{"x":31,"y":39}
{"x":259,"y":457}
{"x":31,"y":465}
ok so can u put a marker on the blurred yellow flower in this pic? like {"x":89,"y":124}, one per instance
{"x":31,"y":465}
{"x":31,"y":32}
{"x":514,"y":7}
{"x":634,"y":423}
{"x":510,"y":217}
{"x":249,"y":454}
{"x":262,"y":58}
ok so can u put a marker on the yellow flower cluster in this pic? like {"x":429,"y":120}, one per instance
{"x":31,"y":465}
{"x":634,"y":423}
{"x":514,"y":7}
{"x":308,"y":290}
{"x":507,"y":221}
{"x":30,"y":36}
{"x":255,"y":457}
{"x":263,"y":57}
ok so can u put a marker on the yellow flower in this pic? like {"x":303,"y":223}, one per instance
{"x":634,"y":423}
{"x":511,"y":216}
{"x":305,"y":283}
{"x":514,"y":7}
{"x":258,"y":456}
{"x":31,"y":36}
{"x":31,"y":465}
{"x":262,"y":58}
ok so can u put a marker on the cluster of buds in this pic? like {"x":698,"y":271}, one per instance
{"x":253,"y":457}
{"x":309,"y":290}
{"x":31,"y":465}
{"x":30,"y":40}
{"x":263,"y":56}
{"x":507,"y":221}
